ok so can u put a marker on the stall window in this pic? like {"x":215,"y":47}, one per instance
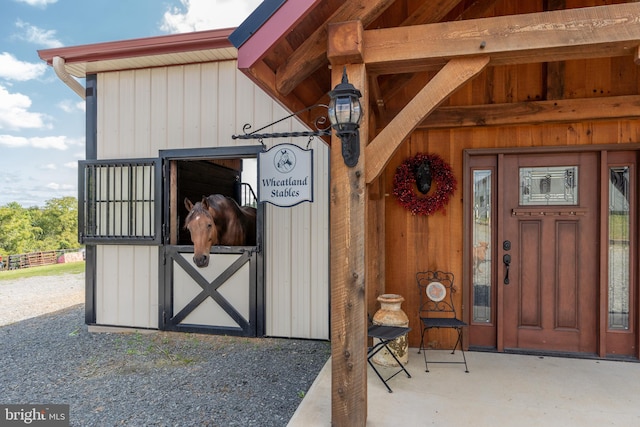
{"x":119,"y":201}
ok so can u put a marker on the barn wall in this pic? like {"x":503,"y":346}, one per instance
{"x":436,"y":242}
{"x":143,"y":111}
{"x":126,"y":286}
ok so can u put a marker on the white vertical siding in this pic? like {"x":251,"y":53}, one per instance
{"x":127,"y":286}
{"x":202,"y":105}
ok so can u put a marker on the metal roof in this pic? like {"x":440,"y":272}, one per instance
{"x":175,"y":49}
{"x":254,"y":21}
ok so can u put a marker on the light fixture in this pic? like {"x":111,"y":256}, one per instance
{"x":345,"y":113}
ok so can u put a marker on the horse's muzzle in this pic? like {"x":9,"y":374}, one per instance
{"x":201,"y":260}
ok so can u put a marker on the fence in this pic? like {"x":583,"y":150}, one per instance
{"x":33,"y":259}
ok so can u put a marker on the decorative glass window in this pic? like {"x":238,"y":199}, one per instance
{"x":619,"y":239}
{"x":481,"y":258}
{"x":554,"y":185}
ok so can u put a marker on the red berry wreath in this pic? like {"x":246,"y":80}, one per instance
{"x":434,"y":200}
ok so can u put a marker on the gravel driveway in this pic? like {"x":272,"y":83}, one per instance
{"x":34,"y":296}
{"x":157,"y":379}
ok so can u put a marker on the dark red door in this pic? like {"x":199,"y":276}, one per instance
{"x":550,"y":217}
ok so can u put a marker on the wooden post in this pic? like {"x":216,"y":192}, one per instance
{"x":348,"y":251}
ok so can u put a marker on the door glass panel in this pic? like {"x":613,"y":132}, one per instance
{"x":619,"y":239}
{"x":481,"y":257}
{"x":555,"y":185}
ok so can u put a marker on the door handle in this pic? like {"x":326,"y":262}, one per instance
{"x":506,"y":259}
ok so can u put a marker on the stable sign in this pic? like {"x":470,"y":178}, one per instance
{"x":285,"y":175}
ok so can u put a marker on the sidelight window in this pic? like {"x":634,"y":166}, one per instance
{"x":619,"y":243}
{"x":481,"y":236}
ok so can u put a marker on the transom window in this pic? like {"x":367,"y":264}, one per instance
{"x":554,"y":185}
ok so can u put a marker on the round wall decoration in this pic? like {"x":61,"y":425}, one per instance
{"x":436,"y":291}
{"x":435,"y":177}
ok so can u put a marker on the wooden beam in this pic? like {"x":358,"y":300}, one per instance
{"x":535,"y":112}
{"x":554,"y":71}
{"x":378,"y":99}
{"x":264,"y":78}
{"x":427,"y":13}
{"x":591,"y":32}
{"x":344,"y":44}
{"x":347,"y":195}
{"x":311,"y":54}
{"x":478,"y":9}
{"x":453,"y":75}
{"x":430,"y":11}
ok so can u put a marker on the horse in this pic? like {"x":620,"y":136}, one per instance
{"x":218,"y":220}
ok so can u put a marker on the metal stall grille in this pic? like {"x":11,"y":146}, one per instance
{"x":119,"y":201}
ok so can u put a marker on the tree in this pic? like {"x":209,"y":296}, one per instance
{"x":17,"y":233}
{"x":53,"y":227}
{"x":59,"y":223}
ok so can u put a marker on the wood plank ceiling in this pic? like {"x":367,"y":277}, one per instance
{"x":297,"y":72}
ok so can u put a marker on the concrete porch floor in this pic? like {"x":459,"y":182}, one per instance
{"x":499,"y":390}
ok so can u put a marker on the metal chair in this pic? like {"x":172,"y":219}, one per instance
{"x":438,"y":311}
{"x":385,"y":335}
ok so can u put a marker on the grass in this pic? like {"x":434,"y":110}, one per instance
{"x":46,"y":270}
{"x":137,"y":344}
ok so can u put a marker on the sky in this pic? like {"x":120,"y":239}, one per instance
{"x":42,"y":122}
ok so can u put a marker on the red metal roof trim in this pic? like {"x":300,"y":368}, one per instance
{"x":184,"y":42}
{"x":276,"y":27}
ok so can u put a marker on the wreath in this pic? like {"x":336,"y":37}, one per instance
{"x":420,"y":173}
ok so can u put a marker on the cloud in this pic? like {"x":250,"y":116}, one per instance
{"x":9,"y":178}
{"x":13,"y":69}
{"x":13,"y":141}
{"x":14,"y":111}
{"x":30,"y":191}
{"x":71,"y":165}
{"x":56,"y":142}
{"x":38,"y":3}
{"x":37,"y":35}
{"x":199,"y":15}
{"x":69,"y":106}
{"x":75,"y":142}
{"x":49,"y":166}
{"x":56,"y":186}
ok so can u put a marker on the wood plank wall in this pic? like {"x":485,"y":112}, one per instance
{"x":416,"y":243}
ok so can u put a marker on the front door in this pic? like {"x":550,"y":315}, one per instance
{"x":549,"y":260}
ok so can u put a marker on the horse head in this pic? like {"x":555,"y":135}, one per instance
{"x":202,"y":227}
{"x":218,"y":220}
{"x":229,"y":219}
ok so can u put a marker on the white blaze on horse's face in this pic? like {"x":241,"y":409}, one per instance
{"x":200,"y":236}
{"x":204,"y":233}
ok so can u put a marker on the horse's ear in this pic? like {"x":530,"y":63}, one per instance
{"x":205,"y":202}
{"x":188,"y":204}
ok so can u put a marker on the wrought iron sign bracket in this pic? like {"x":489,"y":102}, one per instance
{"x":321,"y":123}
{"x":343,"y":115}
